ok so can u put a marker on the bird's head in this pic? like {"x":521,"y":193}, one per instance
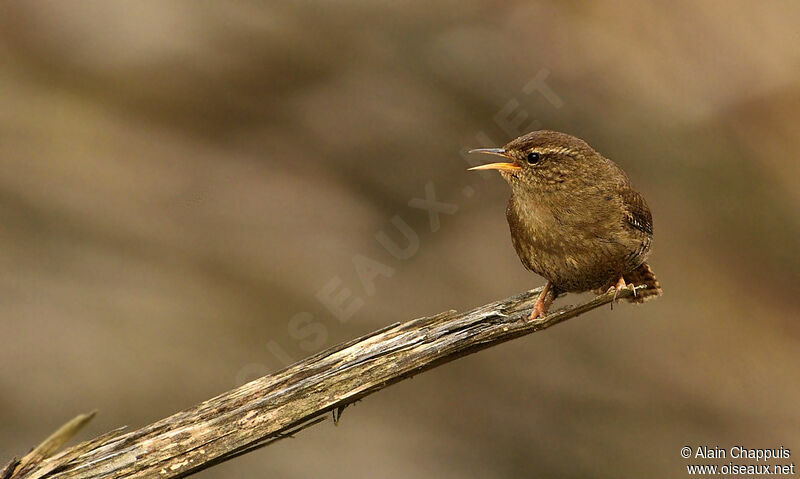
{"x":542,"y":161}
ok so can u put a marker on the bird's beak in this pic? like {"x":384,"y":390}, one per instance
{"x":505,"y":166}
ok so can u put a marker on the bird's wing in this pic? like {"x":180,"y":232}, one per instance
{"x":637,"y":214}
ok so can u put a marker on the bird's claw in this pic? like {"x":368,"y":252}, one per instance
{"x":619,"y":287}
{"x":543,"y":302}
{"x":537,"y":313}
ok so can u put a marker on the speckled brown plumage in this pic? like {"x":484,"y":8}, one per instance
{"x":574,"y":217}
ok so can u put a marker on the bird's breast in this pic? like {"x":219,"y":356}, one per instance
{"x":573,"y":249}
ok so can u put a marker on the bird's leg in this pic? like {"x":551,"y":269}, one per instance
{"x":617,"y":288}
{"x":543,"y":302}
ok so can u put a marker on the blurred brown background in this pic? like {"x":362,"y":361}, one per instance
{"x":179,"y":179}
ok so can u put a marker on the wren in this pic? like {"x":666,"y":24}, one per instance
{"x":574,"y":217}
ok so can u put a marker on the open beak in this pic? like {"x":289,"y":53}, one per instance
{"x":505,"y":166}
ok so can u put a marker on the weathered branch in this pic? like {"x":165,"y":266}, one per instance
{"x":278,"y":405}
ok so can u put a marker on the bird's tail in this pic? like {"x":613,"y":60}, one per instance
{"x":643,"y":276}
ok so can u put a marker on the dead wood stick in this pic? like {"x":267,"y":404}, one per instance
{"x":280,"y":404}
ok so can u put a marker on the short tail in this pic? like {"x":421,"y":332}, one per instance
{"x":643,"y":276}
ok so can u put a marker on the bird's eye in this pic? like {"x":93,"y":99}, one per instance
{"x":533,"y":158}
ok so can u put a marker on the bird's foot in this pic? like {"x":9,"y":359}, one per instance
{"x":543,"y":302}
{"x":619,"y":287}
{"x":539,"y":311}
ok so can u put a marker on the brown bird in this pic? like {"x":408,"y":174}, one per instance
{"x":574,"y":218}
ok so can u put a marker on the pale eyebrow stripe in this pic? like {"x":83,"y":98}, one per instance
{"x":559,"y":150}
